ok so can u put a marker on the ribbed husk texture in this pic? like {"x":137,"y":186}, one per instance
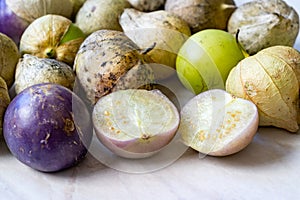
{"x":270,"y":79}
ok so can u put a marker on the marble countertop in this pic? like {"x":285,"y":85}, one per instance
{"x":267,"y":169}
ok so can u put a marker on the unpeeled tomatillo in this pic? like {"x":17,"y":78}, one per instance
{"x":270,"y":79}
{"x":52,"y":36}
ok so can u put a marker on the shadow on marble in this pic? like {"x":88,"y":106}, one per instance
{"x":269,"y":147}
{"x":91,"y":164}
{"x":4,"y":151}
{"x":87,"y":167}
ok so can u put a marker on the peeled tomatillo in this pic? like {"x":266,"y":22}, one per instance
{"x":206,"y":58}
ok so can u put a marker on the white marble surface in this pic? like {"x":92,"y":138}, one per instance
{"x":267,"y":169}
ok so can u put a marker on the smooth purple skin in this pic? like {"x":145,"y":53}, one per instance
{"x":43,"y":110}
{"x":10,"y":24}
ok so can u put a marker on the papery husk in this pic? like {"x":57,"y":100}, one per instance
{"x":271,"y":83}
{"x":77,"y":4}
{"x":9,"y":56}
{"x":108,"y":61}
{"x":100,"y":14}
{"x":291,"y":57}
{"x":33,"y":9}
{"x":43,"y":37}
{"x":287,"y":54}
{"x":162,"y":30}
{"x":32,"y":70}
{"x":202,"y":14}
{"x":147,"y":5}
{"x":264,"y":23}
{"x":4,"y":101}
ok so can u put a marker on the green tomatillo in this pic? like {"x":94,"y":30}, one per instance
{"x":206,"y":58}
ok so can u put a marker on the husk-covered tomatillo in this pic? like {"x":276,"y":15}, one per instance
{"x":162,"y":30}
{"x":108,"y":61}
{"x":264,"y":23}
{"x":52,"y":36}
{"x":9,"y":56}
{"x":202,"y":14}
{"x":32,"y":70}
{"x":270,"y":79}
{"x":4,"y":101}
{"x":10,"y":24}
{"x":33,"y":9}
{"x":146,"y":5}
{"x":100,"y":14}
{"x":77,"y":4}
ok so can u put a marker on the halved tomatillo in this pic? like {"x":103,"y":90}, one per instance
{"x":135,"y":123}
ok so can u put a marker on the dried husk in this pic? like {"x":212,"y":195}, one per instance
{"x":32,"y":70}
{"x":77,"y":4}
{"x":164,"y":31}
{"x":43,"y":38}
{"x":287,"y":54}
{"x":147,"y":5}
{"x":33,"y":9}
{"x":271,"y":82}
{"x":202,"y":14}
{"x":107,"y":61}
{"x":264,"y":23}
{"x":4,"y":101}
{"x":100,"y":14}
{"x":9,"y":56}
